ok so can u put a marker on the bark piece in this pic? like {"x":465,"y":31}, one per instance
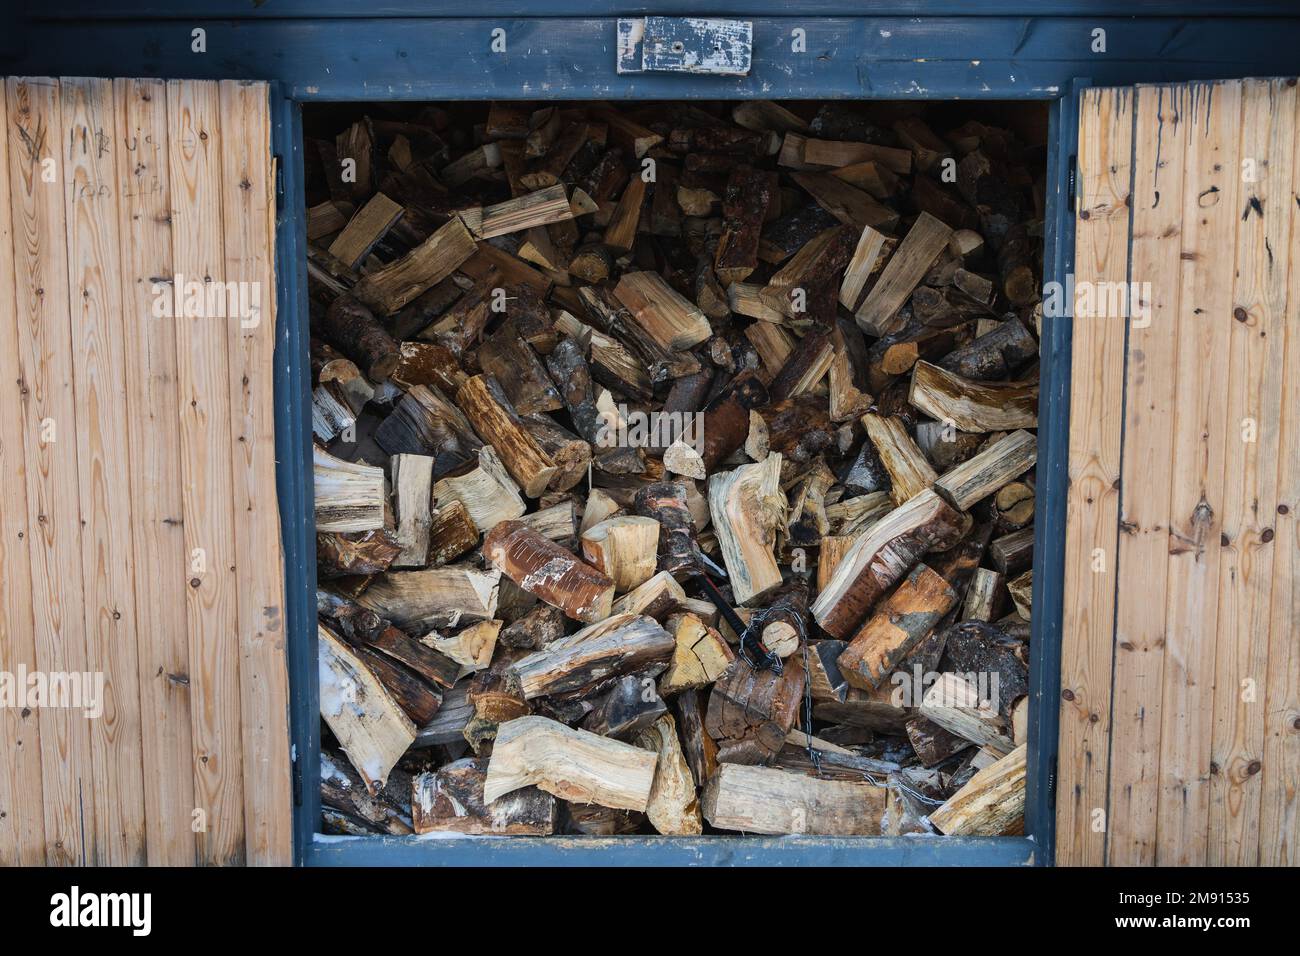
{"x":450,"y":800}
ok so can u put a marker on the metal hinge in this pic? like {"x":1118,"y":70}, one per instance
{"x":277,"y":163}
{"x":297,"y":774}
{"x":1072,"y":194}
{"x":685,"y":45}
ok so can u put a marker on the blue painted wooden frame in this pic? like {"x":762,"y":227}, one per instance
{"x":558,"y":51}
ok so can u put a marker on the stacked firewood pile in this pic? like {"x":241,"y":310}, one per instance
{"x":572,"y":362}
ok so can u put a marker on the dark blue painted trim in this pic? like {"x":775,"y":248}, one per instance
{"x":673,"y":851}
{"x":294,"y":468}
{"x":326,"y":9}
{"x":910,"y":58}
{"x":1052,"y":476}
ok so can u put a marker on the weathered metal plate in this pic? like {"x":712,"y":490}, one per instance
{"x":685,"y":45}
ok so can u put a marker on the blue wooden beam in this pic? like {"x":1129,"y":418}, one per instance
{"x":909,"y":58}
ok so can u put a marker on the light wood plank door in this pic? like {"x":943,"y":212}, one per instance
{"x":1180,"y":714}
{"x":140,"y":564}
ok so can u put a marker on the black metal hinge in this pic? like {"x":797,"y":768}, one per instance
{"x":297,"y":775}
{"x":278,"y":163}
{"x":1072,"y":186}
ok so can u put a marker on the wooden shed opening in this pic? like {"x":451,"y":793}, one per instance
{"x":675,"y":464}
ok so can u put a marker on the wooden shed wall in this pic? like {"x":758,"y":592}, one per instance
{"x":139,"y":534}
{"x":1180,"y":683}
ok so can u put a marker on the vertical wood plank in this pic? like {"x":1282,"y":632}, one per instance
{"x":1257,"y":346}
{"x":249,"y":212}
{"x":203,"y":386}
{"x":94,"y":291}
{"x":155,"y":471}
{"x":1160,"y":142}
{"x":1092,"y":510}
{"x":1279,"y":818}
{"x":22,"y":822}
{"x":1210,"y":212}
{"x":50,"y":443}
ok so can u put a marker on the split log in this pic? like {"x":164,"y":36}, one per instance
{"x":571,"y":454}
{"x":483,"y":489}
{"x":349,"y":496}
{"x":700,"y":657}
{"x":1021,"y":589}
{"x":747,"y":507}
{"x":448,"y":725}
{"x":995,"y":355}
{"x":1014,"y":552}
{"x":909,"y":472}
{"x":344,"y":792}
{"x":361,"y":552}
{"x":412,"y":480}
{"x":954,"y":703}
{"x":387,"y":289}
{"x":621,"y":232}
{"x":470,"y":647}
{"x":657,"y":598}
{"x":435,"y":597}
{"x":931,"y":743}
{"x":509,"y":359}
{"x":882,"y":556}
{"x":331,"y":415}
{"x":977,"y":478}
{"x":851,"y":206}
{"x":630,"y":707}
{"x":807,"y":522}
{"x":673,"y":808}
{"x":476,"y":161}
{"x":750,"y":712}
{"x":352,"y":328}
{"x":425,"y":422}
{"x":1014,"y":505}
{"x":806,"y":288}
{"x":875,"y":710}
{"x":544,"y":569}
{"x":977,"y":648}
{"x":749,"y":193}
{"x":726,"y":418}
{"x":764,"y":800}
{"x":573,"y":765}
{"x":869,"y":257}
{"x":982,"y":596}
{"x":973,"y":406}
{"x":496,"y":698}
{"x":901,"y":622}
{"x":539,"y":627}
{"x":826,"y":682}
{"x":371,"y":222}
{"x":624,"y":548}
{"x":878,"y":314}
{"x":497,"y":423}
{"x":670,"y":319}
{"x":450,"y":800}
{"x":370,"y":727}
{"x":573,"y":665}
{"x":538,"y":208}
{"x":568,"y":368}
{"x":419,"y":700}
{"x":991,"y":803}
{"x":697,"y":746}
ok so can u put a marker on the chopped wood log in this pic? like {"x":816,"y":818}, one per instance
{"x":765,"y":115}
{"x":726,"y":417}
{"x":331,"y":415}
{"x":697,"y":746}
{"x":538,"y":208}
{"x":366,"y":228}
{"x":991,"y":803}
{"x":539,"y":627}
{"x":324,"y":219}
{"x":974,"y":647}
{"x":345,"y":380}
{"x":484,"y":489}
{"x":370,"y":727}
{"x":701,"y":655}
{"x":875,"y":178}
{"x":412,"y":480}
{"x":673,"y":809}
{"x":808,"y":363}
{"x":670,"y":319}
{"x":944,"y":446}
{"x":476,"y":161}
{"x":869,"y":257}
{"x":758,"y":443}
{"x":435,"y":597}
{"x":627,"y":134}
{"x":573,"y":665}
{"x":746,"y":299}
{"x":875,"y":710}
{"x":747,"y":507}
{"x":977,"y":478}
{"x":878,"y":314}
{"x":1016,"y":265}
{"x":571,"y":454}
{"x":909,"y":471}
{"x":954,"y":703}
{"x":425,"y":422}
{"x":495,"y":698}
{"x":621,"y":232}
{"x":806,"y":288}
{"x":1021,"y":589}
{"x":361,"y":552}
{"x":352,"y":328}
{"x":573,"y":765}
{"x":498,"y":424}
{"x":569,"y":370}
{"x":1014,"y":552}
{"x":349,"y":496}
{"x":851,"y":206}
{"x":1014,"y":505}
{"x":342,"y":790}
{"x":624,"y":548}
{"x":545,"y":569}
{"x":973,"y":406}
{"x":807,"y":523}
{"x":750,"y":712}
{"x":509,"y":359}
{"x":657,"y":598}
{"x":598,"y":507}
{"x":389,"y":288}
{"x":882,"y":556}
{"x":418,"y":699}
{"x":932,"y":744}
{"x":678,"y":548}
{"x":982,"y":596}
{"x":851,"y":515}
{"x":901,"y":622}
{"x":630,"y":707}
{"x":471,"y":647}
{"x":798,"y":428}
{"x":749,"y":193}
{"x":826,"y":682}
{"x":450,"y":800}
{"x":681,"y":458}
{"x":765,"y":800}
{"x":995,"y":355}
